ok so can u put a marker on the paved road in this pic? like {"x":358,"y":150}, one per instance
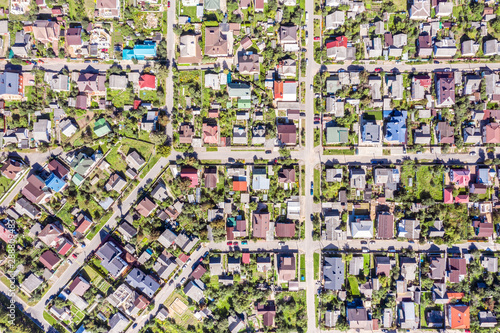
{"x":409,"y":67}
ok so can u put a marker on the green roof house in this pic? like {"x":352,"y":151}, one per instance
{"x":337,"y":135}
{"x":239,"y":90}
{"x":81,"y":164}
{"x":77,"y":179}
{"x":101,"y":127}
{"x":244,"y":104}
{"x":212,"y":4}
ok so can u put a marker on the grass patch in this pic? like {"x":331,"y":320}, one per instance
{"x":317,"y":137}
{"x":212,"y":149}
{"x":377,"y":115}
{"x":366,"y":264}
{"x":316,"y":265}
{"x":353,"y":284}
{"x":5,"y":184}
{"x":119,"y":98}
{"x":302,"y":180}
{"x":99,"y":226}
{"x":303,"y":267}
{"x":427,"y":181}
{"x":338,"y":152}
{"x":317,"y":180}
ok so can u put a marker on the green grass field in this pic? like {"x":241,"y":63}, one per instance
{"x":317,"y":182}
{"x":302,"y":267}
{"x":119,"y":98}
{"x":316,"y":265}
{"x":353,"y":285}
{"x":5,"y":184}
{"x":366,"y":264}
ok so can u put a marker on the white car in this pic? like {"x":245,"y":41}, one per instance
{"x":307,"y":17}
{"x":311,"y":87}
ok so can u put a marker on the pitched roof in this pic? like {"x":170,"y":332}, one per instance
{"x":333,"y":273}
{"x":146,"y":206}
{"x":79,"y":286}
{"x":459,"y":317}
{"x":49,"y":259}
{"x":385,"y":228}
{"x":285,"y":230}
{"x":147,"y":81}
{"x":260,"y":224}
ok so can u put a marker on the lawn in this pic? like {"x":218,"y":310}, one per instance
{"x":316,"y":266}
{"x":427,"y":181}
{"x":99,"y":226}
{"x":90,"y":273}
{"x":303,"y":267}
{"x":366,"y":264}
{"x":5,"y":184}
{"x":302,"y":180}
{"x":65,"y":215}
{"x":317,"y":137}
{"x":143,"y":148}
{"x":293,"y":317}
{"x":77,"y":314}
{"x":148,"y":95}
{"x":377,"y":115}
{"x":317,"y":184}
{"x":119,"y":98}
{"x":189,"y":11}
{"x":353,"y":284}
{"x":115,"y":159}
{"x":338,"y":152}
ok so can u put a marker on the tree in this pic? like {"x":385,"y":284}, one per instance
{"x":164,"y":150}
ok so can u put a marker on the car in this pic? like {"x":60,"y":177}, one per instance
{"x":307,"y":34}
{"x":311,"y":87}
{"x":135,"y":325}
{"x":69,"y":261}
{"x":404,"y":149}
{"x":316,"y":120}
{"x":472,"y":153}
{"x":183,"y":280}
{"x":372,"y":242}
{"x":378,"y":70}
{"x":235,"y":243}
{"x":268,"y":152}
{"x":316,"y":38}
{"x":74,"y":255}
{"x":307,"y":16}
{"x":307,"y":62}
{"x":168,"y":4}
{"x":229,"y":243}
{"x":206,"y":254}
{"x":176,"y":276}
{"x":312,"y":188}
{"x":170,"y":282}
{"x":281,"y":243}
{"x":184,"y":266}
{"x":364,"y":242}
{"x":244,"y":242}
{"x":231,"y":160}
{"x":201,"y":259}
{"x":365,"y":250}
{"x":87,"y":62}
{"x":95,"y":61}
{"x":189,"y":261}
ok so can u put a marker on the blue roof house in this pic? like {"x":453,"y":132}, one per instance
{"x":55,"y":183}
{"x":140,"y":51}
{"x":395,"y":128}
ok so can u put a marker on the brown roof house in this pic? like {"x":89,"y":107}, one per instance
{"x":260,"y":224}
{"x":35,"y":191}
{"x":285,"y":230}
{"x":11,"y":168}
{"x":287,"y":134}
{"x":288,"y":34}
{"x":445,"y":133}
{"x":91,"y":83}
{"x":74,"y":41}
{"x":186,"y":132}
{"x":445,"y":89}
{"x":50,"y":235}
{"x":190,"y":50}
{"x":210,"y":177}
{"x":286,"y":175}
{"x":383,"y":266}
{"x":79,"y":286}
{"x":49,"y":259}
{"x":215,"y":42}
{"x":268,"y":312}
{"x":46,"y":31}
{"x":385,"y":227}
{"x":116,"y":183}
{"x":146,"y":207}
{"x":457,"y":269}
{"x":107,"y":8}
{"x":249,"y":64}
{"x":286,"y":268}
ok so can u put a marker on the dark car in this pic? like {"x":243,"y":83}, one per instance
{"x":312,"y":188}
{"x":268,"y":152}
{"x":168,"y":4}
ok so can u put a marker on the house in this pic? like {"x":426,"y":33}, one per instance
{"x":287,"y":68}
{"x":81,"y":164}
{"x":487,"y":319}
{"x":340,"y":50}
{"x":286,"y":268}
{"x":370,"y":132}
{"x":333,"y":273}
{"x":491,"y":133}
{"x":334,"y":20}
{"x":240,"y":185}
{"x":285,"y":91}
{"x":268,"y":312}
{"x":239,"y":90}
{"x":24,"y":207}
{"x":186,"y":133}
{"x":35,"y":191}
{"x":445,"y":89}
{"x":457,"y":269}
{"x":407,"y":318}
{"x":91,"y":84}
{"x":445,"y":133}
{"x":437,"y":268}
{"x":437,"y":229}
{"x":385,"y":226}
{"x":395,"y":85}
{"x":145,"y":207}
{"x":472,"y":84}
{"x":216,"y":44}
{"x":286,"y":175}
{"x":57,"y":82}
{"x":374,"y":48}
{"x":79,"y":286}
{"x":483,"y":229}
{"x":287,"y":134}
{"x":263,"y":264}
{"x":358,"y":178}
{"x":46,"y":32}
{"x":147,"y":82}
{"x":362,"y":228}
{"x":445,"y":48}
{"x":395,"y":128}
{"x":491,"y":48}
{"x":469,"y":48}
{"x":460,"y":177}
{"x":74,"y":39}
{"x":107,"y":9}
{"x":420,"y":10}
{"x":50,"y":235}
{"x":49,"y":259}
{"x":260,"y":224}
{"x":248,"y":64}
{"x":101,"y":127}
{"x":127,"y":231}
{"x":472,"y":135}
{"x":140,"y":51}
{"x":258,"y":134}
{"x":41,"y":131}
{"x":212,"y":5}
{"x":189,"y":49}
{"x":458,"y":316}
{"x":444,"y":9}
{"x":240,"y":135}
{"x":335,"y":106}
{"x":434,"y":318}
{"x":383,"y":266}
{"x":31,"y":283}
{"x":358,"y":319}
{"x":356,"y":265}
{"x":118,"y":82}
{"x":193,"y":291}
{"x":236,"y":228}
{"x":54,"y":183}
{"x":191,"y":174}
{"x":160,"y":191}
{"x":288,"y":34}
{"x":408,"y":268}
{"x":118,"y":322}
{"x":425,"y":47}
{"x":67,"y":127}
{"x":148,"y":121}
{"x":111,"y":260}
{"x":134,"y":160}
{"x":336,"y":135}
{"x":11,"y":168}
{"x":22,"y":45}
{"x":144,"y":283}
{"x":285,"y":230}
{"x":235,"y":324}
{"x":115,"y":183}
{"x":409,"y":229}
{"x":233,"y":265}
{"x":490,"y":264}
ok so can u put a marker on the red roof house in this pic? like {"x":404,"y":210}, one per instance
{"x":462,"y":198}
{"x":210,"y":134}
{"x":448,"y":195}
{"x":5,"y":234}
{"x":278,"y":89}
{"x":461,"y":177}
{"x":240,"y":185}
{"x":459,"y":316}
{"x":245,"y":259}
{"x":147,"y":81}
{"x":192,"y":174}
{"x":285,"y":230}
{"x":425,"y":80}
{"x":340,"y":41}
{"x":64,"y":246}
{"x":491,"y":133}
{"x":137,"y":102}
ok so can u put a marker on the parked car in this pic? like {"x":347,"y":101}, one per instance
{"x":184,"y":266}
{"x":229,"y":243}
{"x":312,"y":188}
{"x":472,"y":153}
{"x":268,"y":151}
{"x":378,"y":70}
{"x":244,"y":243}
{"x":281,"y":243}
{"x":316,"y":38}
{"x":189,"y":261}
{"x":235,"y":243}
{"x":74,"y":255}
{"x":183,"y":280}
{"x":168,"y":4}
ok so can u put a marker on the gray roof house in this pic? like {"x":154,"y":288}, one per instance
{"x":420,"y":10}
{"x":194,"y":292}
{"x":334,"y":20}
{"x":111,"y":260}
{"x":160,"y":191}
{"x":215,"y":265}
{"x":395,"y":84}
{"x":259,"y":134}
{"x":356,"y":265}
{"x":375,"y":83}
{"x":233,"y":265}
{"x":41,"y":130}
{"x":490,"y":264}
{"x":409,"y":229}
{"x":127,"y":231}
{"x":422,"y":136}
{"x":445,"y":48}
{"x":472,"y":135}
{"x":472,"y":84}
{"x":22,"y":44}
{"x":358,"y":178}
{"x":370,"y":132}
{"x":491,"y":47}
{"x":375,"y":49}
{"x":145,"y":283}
{"x":118,"y":322}
{"x":335,"y":106}
{"x":239,"y":90}
{"x":134,"y":160}
{"x":333,"y":273}
{"x":240,"y":135}
{"x":31,"y":283}
{"x":487,"y":319}
{"x":408,"y":320}
{"x":57,"y":82}
{"x":118,"y":82}
{"x":437,"y":229}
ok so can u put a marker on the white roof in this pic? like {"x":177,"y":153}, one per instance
{"x":362,"y":229}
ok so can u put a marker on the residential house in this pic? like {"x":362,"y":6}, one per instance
{"x":11,"y":87}
{"x":22,"y":45}
{"x":240,"y":135}
{"x":285,"y":230}
{"x":420,"y":10}
{"x":491,"y":133}
{"x":67,"y":127}
{"x":264,"y":264}
{"x":445,"y":133}
{"x":491,"y":48}
{"x":145,"y":207}
{"x":385,"y":225}
{"x":46,"y":32}
{"x":144,"y":283}
{"x":409,"y":229}
{"x":437,"y":229}
{"x":472,"y":135}
{"x":469,"y":48}
{"x":111,"y":260}
{"x":12,"y":168}
{"x":91,"y":84}
{"x":334,"y":20}
{"x":216,"y":44}
{"x":41,"y":131}
{"x":395,"y":128}
{"x":288,"y":34}
{"x":189,"y":49}
{"x":362,"y":228}
{"x":268,"y":312}
{"x":407,"y":318}
{"x":358,"y":319}
{"x":333,"y":273}
{"x":458,"y":316}
{"x":408,"y":268}
{"x":118,"y":82}
{"x":356,"y":265}
{"x":487,"y":319}
{"x":35,"y":191}
{"x":249,"y":64}
{"x":186,"y":133}
{"x":74,"y":42}
{"x":340,"y":50}
{"x":460,"y":177}
{"x":437,"y":268}
{"x":445,"y":48}
{"x":445,"y":89}
{"x":118,"y":322}
{"x":147,"y":50}
{"x":422,"y":136}
{"x":374,"y":48}
{"x":358,"y":178}
{"x":287,"y":68}
{"x":134,"y":160}
{"x":287,"y":134}
{"x":193,"y":291}
{"x":457,"y":269}
{"x":24,"y":207}
{"x":444,"y":8}
{"x":419,"y":85}
{"x":370,"y":132}
{"x":115,"y":183}
{"x":107,"y":9}
{"x":336,"y":135}
{"x":49,"y":259}
{"x":286,"y":267}
{"x":260,"y":224}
